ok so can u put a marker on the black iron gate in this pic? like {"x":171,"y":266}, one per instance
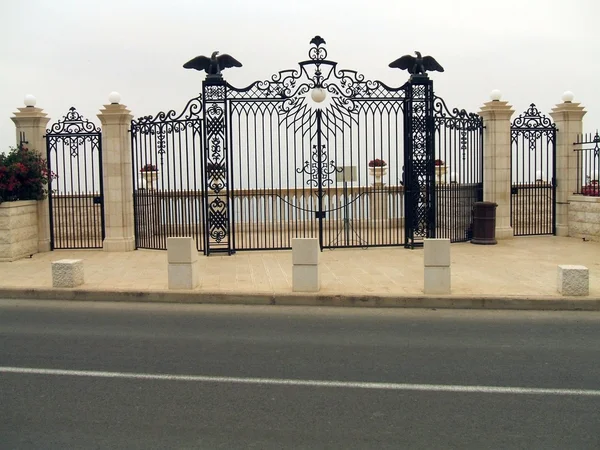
{"x":317,"y":152}
{"x":533,"y":174}
{"x":74,"y":152}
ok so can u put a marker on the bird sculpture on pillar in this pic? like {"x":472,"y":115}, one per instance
{"x":417,"y":66}
{"x":213,"y":65}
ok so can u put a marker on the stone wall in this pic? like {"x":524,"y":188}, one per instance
{"x":584,"y":217}
{"x":18,"y":230}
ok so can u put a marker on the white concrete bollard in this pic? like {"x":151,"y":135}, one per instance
{"x":305,"y":269}
{"x":67,"y":273}
{"x":182,"y":257}
{"x":573,"y":280}
{"x":437,"y":266}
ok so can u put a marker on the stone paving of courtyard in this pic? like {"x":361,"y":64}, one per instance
{"x":525,"y":266}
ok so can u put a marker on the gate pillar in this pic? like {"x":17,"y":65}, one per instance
{"x":216,"y":199}
{"x":30,"y":123}
{"x":419,"y":157}
{"x":497,"y":179}
{"x":117,"y":178}
{"x":568,"y":118}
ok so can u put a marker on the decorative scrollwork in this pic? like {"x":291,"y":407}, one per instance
{"x":169,"y":121}
{"x":533,"y":119}
{"x":287,"y":86}
{"x":319,"y":168}
{"x":458,"y":119}
{"x":73,"y":123}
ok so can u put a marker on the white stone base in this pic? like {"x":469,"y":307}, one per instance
{"x":573,"y":280}
{"x":305,"y":278}
{"x":67,"y":273}
{"x":118,"y":244}
{"x":184,"y":276}
{"x":437,"y":280}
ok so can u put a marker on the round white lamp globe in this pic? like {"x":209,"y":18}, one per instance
{"x":567,"y":97}
{"x":114,"y":98}
{"x":452,"y":177}
{"x":539,"y":175}
{"x":29,"y":101}
{"x":318,"y":95}
{"x":496,"y":95}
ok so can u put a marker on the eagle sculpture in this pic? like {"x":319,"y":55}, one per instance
{"x":213,"y":65}
{"x":418,"y":65}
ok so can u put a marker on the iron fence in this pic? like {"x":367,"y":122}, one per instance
{"x":587,"y":148}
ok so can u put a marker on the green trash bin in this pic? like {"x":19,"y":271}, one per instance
{"x":484,"y":223}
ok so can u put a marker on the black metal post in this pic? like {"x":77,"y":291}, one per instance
{"x":216,"y":201}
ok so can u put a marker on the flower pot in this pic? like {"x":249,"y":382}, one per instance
{"x":440,"y":171}
{"x":378,"y":173}
{"x":150,"y":177}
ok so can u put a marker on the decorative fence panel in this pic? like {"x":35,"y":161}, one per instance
{"x":74,"y":152}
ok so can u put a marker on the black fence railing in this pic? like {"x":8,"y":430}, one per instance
{"x":587,"y":149}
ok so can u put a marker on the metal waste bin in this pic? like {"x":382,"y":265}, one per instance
{"x":484,"y":223}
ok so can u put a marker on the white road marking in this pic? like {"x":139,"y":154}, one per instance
{"x":309,"y":383}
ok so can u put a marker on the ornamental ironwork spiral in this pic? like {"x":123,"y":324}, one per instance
{"x":73,"y":123}
{"x":533,"y":119}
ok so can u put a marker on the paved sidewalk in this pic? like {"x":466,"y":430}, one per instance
{"x":523,"y":269}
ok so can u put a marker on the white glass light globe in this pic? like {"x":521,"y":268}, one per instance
{"x":567,"y":97}
{"x":114,"y":97}
{"x":496,"y":95}
{"x":29,"y":101}
{"x":453,"y":177}
{"x":539,"y":175}
{"x":318,"y":95}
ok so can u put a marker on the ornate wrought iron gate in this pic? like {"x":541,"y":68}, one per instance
{"x":74,"y":152}
{"x":316,"y":151}
{"x":533,"y":172}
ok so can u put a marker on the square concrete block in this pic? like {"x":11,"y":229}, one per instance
{"x":306,"y":278}
{"x":67,"y":273}
{"x":436,"y":252}
{"x":573,"y":280}
{"x":181,"y":250}
{"x":184,"y":276}
{"x":305,"y":251}
{"x":437,"y":280}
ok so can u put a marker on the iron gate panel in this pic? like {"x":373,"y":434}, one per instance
{"x":301,"y":168}
{"x":167,"y":187}
{"x":533,"y":174}
{"x":75,"y":194}
{"x":458,"y":170}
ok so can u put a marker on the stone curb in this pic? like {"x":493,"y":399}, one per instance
{"x":539,"y":303}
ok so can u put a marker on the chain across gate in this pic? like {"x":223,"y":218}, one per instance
{"x":314,"y":152}
{"x":75,"y":194}
{"x":533,"y":172}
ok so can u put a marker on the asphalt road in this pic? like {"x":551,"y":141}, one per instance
{"x":311,"y":378}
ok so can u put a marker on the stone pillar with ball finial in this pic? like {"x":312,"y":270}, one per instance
{"x":117,"y":176}
{"x":497,"y":178}
{"x":30,"y":123}
{"x":568,"y":117}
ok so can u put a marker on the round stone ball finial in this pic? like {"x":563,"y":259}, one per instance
{"x":496,"y":95}
{"x":114,"y":98}
{"x":567,"y":97}
{"x":29,"y":101}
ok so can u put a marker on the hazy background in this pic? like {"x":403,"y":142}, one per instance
{"x":73,"y":53}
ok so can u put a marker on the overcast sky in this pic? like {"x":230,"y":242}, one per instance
{"x":74,"y":53}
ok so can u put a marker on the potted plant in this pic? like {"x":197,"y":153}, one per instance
{"x":378,"y":170}
{"x":591,"y":189}
{"x":440,"y":169}
{"x":149,"y":175}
